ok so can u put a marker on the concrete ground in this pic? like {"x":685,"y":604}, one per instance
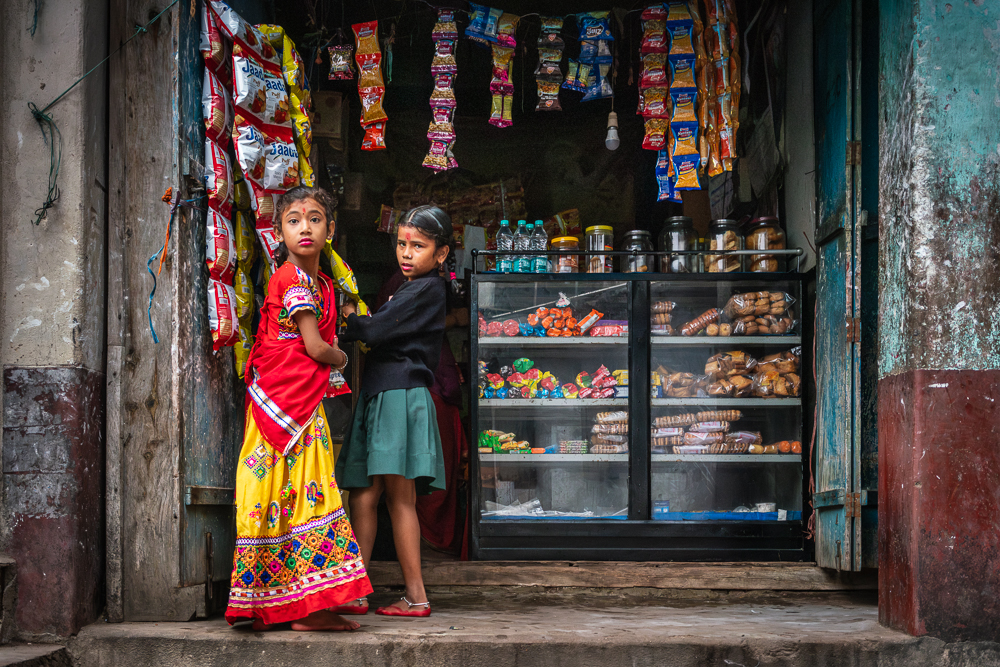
{"x":519,"y":630}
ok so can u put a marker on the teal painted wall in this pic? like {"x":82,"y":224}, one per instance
{"x":939,"y":193}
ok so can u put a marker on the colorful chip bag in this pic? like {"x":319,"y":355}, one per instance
{"x":222,"y":317}
{"x":217,"y":178}
{"x":216,"y":50}
{"x":341,"y":62}
{"x":220,"y":253}
{"x":217,"y":109}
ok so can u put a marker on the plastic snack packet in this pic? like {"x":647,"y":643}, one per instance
{"x":341,"y":62}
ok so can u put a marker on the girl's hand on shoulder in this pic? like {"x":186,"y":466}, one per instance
{"x":317,"y":348}
{"x":348,"y":309}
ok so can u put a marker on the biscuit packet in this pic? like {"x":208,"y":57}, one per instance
{"x":374,"y":139}
{"x":217,"y":109}
{"x":245,"y":35}
{"x":445,"y":27}
{"x":217,"y":178}
{"x":281,"y":167}
{"x":220,"y":253}
{"x":249,"y":146}
{"x":259,"y":94}
{"x":222,"y":318}
{"x":594,"y":25}
{"x":243,"y":238}
{"x":216,"y":50}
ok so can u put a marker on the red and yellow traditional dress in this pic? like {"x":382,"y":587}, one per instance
{"x":295,"y":550}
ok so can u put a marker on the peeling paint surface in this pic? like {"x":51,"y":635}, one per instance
{"x":939,"y":186}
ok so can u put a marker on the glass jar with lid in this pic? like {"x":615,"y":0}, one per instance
{"x":640,"y":241}
{"x":724,"y":235}
{"x":765,"y":233}
{"x":600,"y":238}
{"x":678,"y":234}
{"x":567,"y":263}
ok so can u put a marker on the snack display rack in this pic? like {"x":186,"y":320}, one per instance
{"x":571,"y":462}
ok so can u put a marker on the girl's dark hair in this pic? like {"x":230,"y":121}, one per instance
{"x":296,"y":194}
{"x":435,"y":223}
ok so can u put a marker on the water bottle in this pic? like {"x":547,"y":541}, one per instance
{"x":505,"y":242}
{"x":522,"y":263}
{"x":540,"y":241}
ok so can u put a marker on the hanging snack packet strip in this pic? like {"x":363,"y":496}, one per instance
{"x":595,"y":52}
{"x":300,"y":98}
{"x":683,"y":139}
{"x":444,"y":68}
{"x":549,"y":75}
{"x":371,"y":86}
{"x":654,"y":99}
{"x":502,"y":85}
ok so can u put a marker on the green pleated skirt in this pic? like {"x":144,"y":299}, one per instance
{"x":394,"y":432}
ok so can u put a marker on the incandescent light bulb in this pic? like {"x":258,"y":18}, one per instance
{"x":611,"y":141}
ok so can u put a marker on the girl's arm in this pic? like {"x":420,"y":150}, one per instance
{"x":317,"y":348}
{"x":417,"y":311}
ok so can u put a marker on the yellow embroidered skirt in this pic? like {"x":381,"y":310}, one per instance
{"x":295,"y":550}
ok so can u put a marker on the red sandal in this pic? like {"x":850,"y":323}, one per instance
{"x":396,"y":611}
{"x":351,"y":609}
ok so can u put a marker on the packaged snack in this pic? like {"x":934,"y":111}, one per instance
{"x":241,"y":351}
{"x":244,"y":35}
{"x":709,"y":427}
{"x":548,"y":96}
{"x":703,"y":438}
{"x":523,"y":364}
{"x":683,"y":107}
{"x":666,"y":432}
{"x":371,"y":105}
{"x":249,"y":146}
{"x":583,"y":379}
{"x":366,"y":38}
{"x":700,"y":322}
{"x":217,"y":178}
{"x":506,"y":28}
{"x":615,"y":417}
{"x":220,"y":253}
{"x":682,"y":72}
{"x":686,"y":169}
{"x":243,"y":289}
{"x":243,"y":239}
{"x":217,"y":110}
{"x":222,"y":316}
{"x":445,"y":28}
{"x":610,"y":328}
{"x":444,"y":57}
{"x":577,"y":76}
{"x":654,"y":70}
{"x":260,"y":95}
{"x":281,"y":167}
{"x":680,"y":38}
{"x":677,"y":11}
{"x":654,"y":37}
{"x":590,"y":320}
{"x":503,"y":57}
{"x":341,"y":62}
{"x":594,"y":25}
{"x":743,"y":437}
{"x":374,"y":139}
{"x":601,"y":85}
{"x":685,"y":137}
{"x":214,"y":48}
{"x":570,"y":390}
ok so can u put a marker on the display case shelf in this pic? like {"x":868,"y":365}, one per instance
{"x":555,"y":341}
{"x":704,"y":341}
{"x":553,"y":458}
{"x":725,"y":458}
{"x":728,"y":402}
{"x":551,"y":402}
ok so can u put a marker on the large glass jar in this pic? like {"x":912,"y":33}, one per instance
{"x":567,"y":263}
{"x":600,"y":238}
{"x":765,"y":234}
{"x":641,"y":241}
{"x":678,"y":234}
{"x":724,"y":235}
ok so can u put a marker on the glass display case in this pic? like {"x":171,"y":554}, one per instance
{"x":638,"y":417}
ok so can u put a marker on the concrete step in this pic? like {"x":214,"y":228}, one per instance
{"x":528,"y":631}
{"x":34,"y":655}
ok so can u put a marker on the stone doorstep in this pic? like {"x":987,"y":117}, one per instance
{"x":34,"y":655}
{"x":615,"y":575}
{"x":798,"y":630}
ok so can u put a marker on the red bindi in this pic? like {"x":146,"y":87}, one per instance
{"x":407,"y":236}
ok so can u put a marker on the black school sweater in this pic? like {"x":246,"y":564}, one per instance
{"x":405,"y":336}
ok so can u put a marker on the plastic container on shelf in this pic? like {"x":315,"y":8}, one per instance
{"x":539,"y":241}
{"x":765,"y":233}
{"x":642,"y":241}
{"x":724,"y":235}
{"x":567,"y":263}
{"x":678,"y":234}
{"x":505,"y":242}
{"x":522,"y":241}
{"x":600,"y":238}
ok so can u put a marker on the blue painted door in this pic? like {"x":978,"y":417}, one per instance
{"x":837,"y":498}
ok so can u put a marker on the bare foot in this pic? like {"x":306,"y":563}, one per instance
{"x":324,"y":620}
{"x":261,"y":626}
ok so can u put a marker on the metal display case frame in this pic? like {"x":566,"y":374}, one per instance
{"x":639,"y":537}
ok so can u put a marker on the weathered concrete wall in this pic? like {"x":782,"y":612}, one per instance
{"x":940,"y":141}
{"x":52,"y":313}
{"x":939,"y":281}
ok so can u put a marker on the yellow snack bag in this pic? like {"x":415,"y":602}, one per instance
{"x":244,"y":238}
{"x":242,"y":349}
{"x":241,"y":191}
{"x":244,"y":294}
{"x":345,"y":277}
